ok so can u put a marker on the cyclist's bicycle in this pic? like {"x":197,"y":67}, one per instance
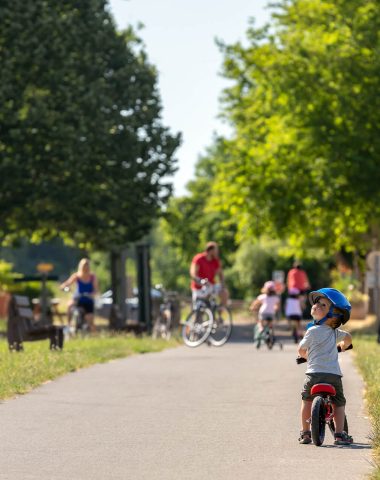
{"x":163,"y":322}
{"x":208,"y":320}
{"x":322,"y":409}
{"x":78,"y":321}
{"x":76,"y":318}
{"x":266,"y":335}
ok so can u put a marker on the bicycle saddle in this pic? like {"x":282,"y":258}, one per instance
{"x":323,"y":389}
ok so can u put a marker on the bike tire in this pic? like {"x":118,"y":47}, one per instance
{"x":331,"y":425}
{"x":197,"y":327}
{"x":156,"y":330}
{"x":75,"y":319}
{"x":318,"y":424}
{"x":269,"y":340}
{"x":222,"y":326}
{"x":168,"y":325}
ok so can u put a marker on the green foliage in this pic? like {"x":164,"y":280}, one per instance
{"x":368,"y":360}
{"x":255,"y":261}
{"x":7,"y":276}
{"x":348,"y":285}
{"x":9,"y":283}
{"x":190,"y":222}
{"x":304,"y":104}
{"x":82,"y":143}
{"x":169,"y":267}
{"x":100,"y":264}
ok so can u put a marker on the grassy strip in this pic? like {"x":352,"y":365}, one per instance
{"x":368,"y":360}
{"x":23,"y":371}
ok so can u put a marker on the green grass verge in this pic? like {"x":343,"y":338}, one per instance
{"x":368,"y":360}
{"x":22,"y":371}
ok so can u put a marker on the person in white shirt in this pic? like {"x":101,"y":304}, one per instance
{"x":330,"y":309}
{"x":267,"y":304}
{"x":293,"y":312}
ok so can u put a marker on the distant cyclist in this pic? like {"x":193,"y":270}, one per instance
{"x":207,"y":266}
{"x":267,"y":304}
{"x":86,"y":289}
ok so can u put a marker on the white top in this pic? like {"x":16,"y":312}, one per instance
{"x":268,"y":304}
{"x":293,"y":307}
{"x":320,"y":342}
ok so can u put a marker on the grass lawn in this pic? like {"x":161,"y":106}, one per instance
{"x":367,"y":357}
{"x":20,"y":372}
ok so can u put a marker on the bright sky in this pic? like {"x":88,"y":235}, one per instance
{"x":180,"y":41}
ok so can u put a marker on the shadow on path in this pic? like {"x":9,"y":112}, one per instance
{"x":244,"y":333}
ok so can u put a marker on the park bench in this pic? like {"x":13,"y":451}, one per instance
{"x":23,"y":327}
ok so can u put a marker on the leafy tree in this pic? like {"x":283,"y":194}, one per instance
{"x":304,"y":104}
{"x":83,"y":152}
{"x":190,"y":222}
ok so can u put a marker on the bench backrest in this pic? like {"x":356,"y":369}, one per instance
{"x":21,"y":301}
{"x":23,"y":312}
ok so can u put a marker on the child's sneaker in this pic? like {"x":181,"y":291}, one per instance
{"x":343,"y":439}
{"x":305,"y":437}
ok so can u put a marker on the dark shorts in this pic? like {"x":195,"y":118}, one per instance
{"x":87,"y":304}
{"x":266,"y":317}
{"x":334,"y":380}
{"x":294,"y":317}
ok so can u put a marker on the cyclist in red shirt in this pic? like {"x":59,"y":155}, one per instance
{"x":207,"y":265}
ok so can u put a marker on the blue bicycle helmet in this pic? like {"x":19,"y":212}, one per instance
{"x":337,"y":299}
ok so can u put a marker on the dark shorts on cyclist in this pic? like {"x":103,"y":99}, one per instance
{"x":86,"y":303}
{"x":266,"y":317}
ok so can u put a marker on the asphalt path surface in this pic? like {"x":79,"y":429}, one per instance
{"x":205,"y":413}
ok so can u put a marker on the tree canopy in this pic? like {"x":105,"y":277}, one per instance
{"x":304,"y":106}
{"x":83,"y":151}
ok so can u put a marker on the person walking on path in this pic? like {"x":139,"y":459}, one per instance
{"x":207,"y":266}
{"x":293,"y":313}
{"x":297,"y":278}
{"x":330,"y":310}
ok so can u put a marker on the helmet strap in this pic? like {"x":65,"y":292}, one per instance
{"x":330,"y":314}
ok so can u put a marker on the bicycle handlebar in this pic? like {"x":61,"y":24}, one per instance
{"x":300,"y":360}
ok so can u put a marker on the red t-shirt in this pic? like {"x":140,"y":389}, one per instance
{"x":297,"y":279}
{"x":207,"y":268}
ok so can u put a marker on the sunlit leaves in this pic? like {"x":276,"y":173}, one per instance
{"x":303,"y":163}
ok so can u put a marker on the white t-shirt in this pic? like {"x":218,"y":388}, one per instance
{"x":320,"y":342}
{"x":293,"y":307}
{"x":268,"y":304}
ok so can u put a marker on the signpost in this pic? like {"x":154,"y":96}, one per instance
{"x":44,"y":269}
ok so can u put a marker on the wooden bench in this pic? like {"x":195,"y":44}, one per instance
{"x":23,"y":327}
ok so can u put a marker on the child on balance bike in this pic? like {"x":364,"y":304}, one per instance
{"x":330,"y":309}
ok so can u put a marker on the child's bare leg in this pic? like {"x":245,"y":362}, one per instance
{"x":305,"y":414}
{"x":339,"y":419}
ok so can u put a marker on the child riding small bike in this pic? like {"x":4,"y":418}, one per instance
{"x":330,"y":309}
{"x":267,"y":304}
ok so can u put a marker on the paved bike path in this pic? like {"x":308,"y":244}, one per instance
{"x":206,"y":413}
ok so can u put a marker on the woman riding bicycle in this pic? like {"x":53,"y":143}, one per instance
{"x":86,"y":289}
